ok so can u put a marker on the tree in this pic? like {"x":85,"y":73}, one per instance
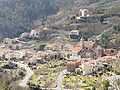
{"x":104,"y":40}
{"x":106,"y":84}
{"x":117,"y":28}
{"x":93,"y":88}
{"x":21,"y":73}
{"x":17,"y":47}
{"x":41,"y":47}
{"x":102,"y":19}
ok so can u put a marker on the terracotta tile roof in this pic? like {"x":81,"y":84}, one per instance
{"x":72,"y":62}
{"x":65,"y":52}
{"x":86,"y":43}
{"x":76,"y":49}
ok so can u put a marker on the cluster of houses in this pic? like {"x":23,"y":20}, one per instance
{"x":39,"y":33}
{"x":14,"y":49}
{"x":84,"y":56}
{"x":35,"y":33}
{"x":88,"y":57}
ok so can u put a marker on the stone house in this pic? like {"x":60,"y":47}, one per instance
{"x":87,"y":68}
{"x":72,"y":65}
{"x":90,"y":67}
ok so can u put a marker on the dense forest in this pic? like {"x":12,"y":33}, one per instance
{"x":17,"y":16}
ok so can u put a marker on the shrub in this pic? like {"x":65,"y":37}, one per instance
{"x":106,"y":84}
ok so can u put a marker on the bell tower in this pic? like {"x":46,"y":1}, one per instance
{"x":82,"y":42}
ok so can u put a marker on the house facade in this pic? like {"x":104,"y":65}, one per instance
{"x":72,"y":65}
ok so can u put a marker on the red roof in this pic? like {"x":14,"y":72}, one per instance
{"x":86,"y":43}
{"x":76,"y":49}
{"x":71,"y":62}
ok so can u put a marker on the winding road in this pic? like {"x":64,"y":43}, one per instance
{"x":28,"y":75}
{"x":59,"y":80}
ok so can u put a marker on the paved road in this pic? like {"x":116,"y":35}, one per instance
{"x":59,"y":80}
{"x":28,"y":75}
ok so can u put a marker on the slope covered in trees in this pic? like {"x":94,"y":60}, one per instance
{"x":17,"y":16}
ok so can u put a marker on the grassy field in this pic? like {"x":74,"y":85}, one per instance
{"x":78,"y":81}
{"x":46,"y":74}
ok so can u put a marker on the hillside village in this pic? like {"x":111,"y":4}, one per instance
{"x":66,"y":58}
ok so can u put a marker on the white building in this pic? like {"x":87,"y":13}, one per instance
{"x":35,"y":33}
{"x":74,"y":32}
{"x":84,"y":13}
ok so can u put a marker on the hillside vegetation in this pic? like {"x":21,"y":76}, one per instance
{"x":17,"y":16}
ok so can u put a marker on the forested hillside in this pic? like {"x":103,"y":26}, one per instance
{"x":17,"y":16}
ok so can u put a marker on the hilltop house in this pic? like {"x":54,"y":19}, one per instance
{"x":84,"y":13}
{"x":35,"y":33}
{"x":74,"y":34}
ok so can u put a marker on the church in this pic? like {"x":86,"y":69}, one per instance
{"x":86,"y":49}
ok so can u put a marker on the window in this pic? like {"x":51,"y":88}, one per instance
{"x":112,"y":51}
{"x":86,"y":48}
